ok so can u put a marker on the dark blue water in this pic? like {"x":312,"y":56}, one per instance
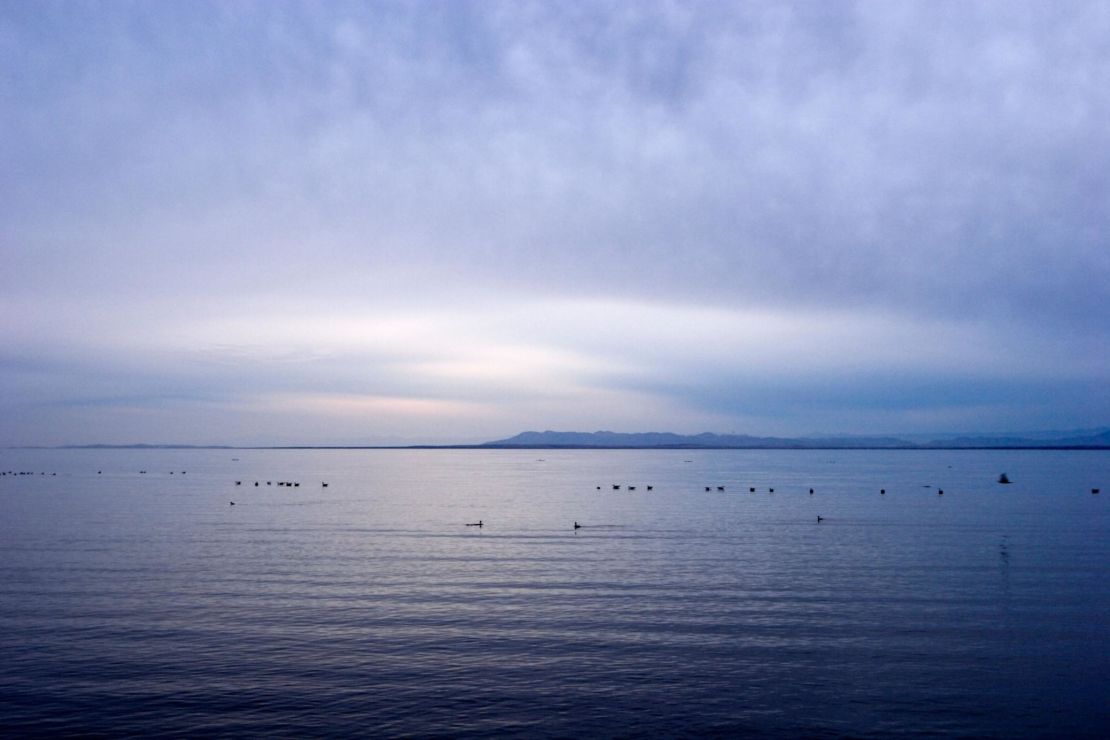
{"x":144,"y":604}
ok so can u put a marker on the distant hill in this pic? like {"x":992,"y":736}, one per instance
{"x":1095,"y":440}
{"x":1075,"y":439}
{"x":706,"y":440}
{"x":668,"y":440}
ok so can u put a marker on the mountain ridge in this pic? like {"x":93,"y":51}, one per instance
{"x":709,"y":440}
{"x":1098,"y":438}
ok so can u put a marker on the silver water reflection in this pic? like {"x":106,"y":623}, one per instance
{"x":147,"y":604}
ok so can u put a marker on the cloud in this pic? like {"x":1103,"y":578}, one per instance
{"x":448,"y":201}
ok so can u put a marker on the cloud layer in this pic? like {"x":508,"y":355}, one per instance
{"x":326,"y":222}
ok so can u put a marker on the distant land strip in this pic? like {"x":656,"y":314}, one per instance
{"x":1098,"y":439}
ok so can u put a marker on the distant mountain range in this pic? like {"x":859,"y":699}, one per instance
{"x":1098,"y":439}
{"x":1074,"y":439}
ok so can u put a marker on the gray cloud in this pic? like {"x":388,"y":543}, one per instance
{"x":168,"y":164}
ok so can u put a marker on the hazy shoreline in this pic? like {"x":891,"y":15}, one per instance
{"x":908,"y":447}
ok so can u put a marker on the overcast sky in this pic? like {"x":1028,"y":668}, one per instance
{"x":446,"y":221}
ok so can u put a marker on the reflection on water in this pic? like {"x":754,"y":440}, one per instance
{"x":143,"y":603}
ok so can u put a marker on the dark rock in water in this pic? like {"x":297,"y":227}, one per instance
{"x":1003,"y":478}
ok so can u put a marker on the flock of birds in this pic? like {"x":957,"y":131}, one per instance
{"x":1003,"y":479}
{"x":289,"y":483}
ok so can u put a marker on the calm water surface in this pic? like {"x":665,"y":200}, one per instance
{"x":144,"y":604}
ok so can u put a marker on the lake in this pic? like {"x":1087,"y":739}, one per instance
{"x":139,"y":603}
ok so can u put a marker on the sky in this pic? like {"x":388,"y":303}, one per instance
{"x":442,"y":222}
